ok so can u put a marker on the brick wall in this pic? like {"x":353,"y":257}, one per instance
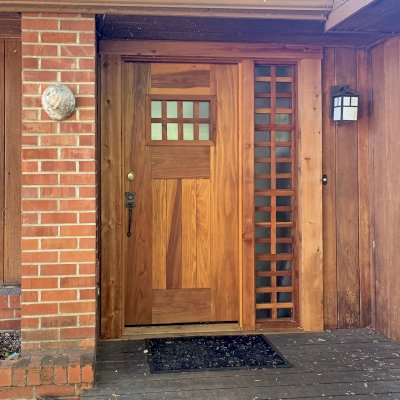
{"x":58,"y":186}
{"x":10,"y":309}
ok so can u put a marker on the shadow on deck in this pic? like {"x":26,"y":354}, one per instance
{"x":331,"y":365}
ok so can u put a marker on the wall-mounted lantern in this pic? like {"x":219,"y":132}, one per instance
{"x":344,"y":104}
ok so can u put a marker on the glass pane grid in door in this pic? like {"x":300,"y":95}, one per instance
{"x":274,"y":192}
{"x":180,"y":120}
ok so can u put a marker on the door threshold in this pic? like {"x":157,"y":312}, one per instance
{"x":140,"y":332}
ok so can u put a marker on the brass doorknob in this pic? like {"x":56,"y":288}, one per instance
{"x":130,"y":176}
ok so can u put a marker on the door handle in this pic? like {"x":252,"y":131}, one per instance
{"x":130,"y":204}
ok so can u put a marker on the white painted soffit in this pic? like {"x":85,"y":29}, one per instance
{"x":287,"y":9}
{"x":343,"y":10}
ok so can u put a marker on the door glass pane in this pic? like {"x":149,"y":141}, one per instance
{"x":156,"y":131}
{"x":284,"y":102}
{"x":262,"y":102}
{"x":262,"y":87}
{"x":262,"y":70}
{"x":262,"y":136}
{"x":156,"y":109}
{"x":262,"y":119}
{"x":172,"y":131}
{"x":262,"y":152}
{"x":282,"y":136}
{"x":187,"y":107}
{"x":204,"y":109}
{"x":284,"y":71}
{"x":283,"y":119}
{"x":283,"y":87}
{"x":204,"y":131}
{"x":263,"y":266}
{"x":188,"y":132}
{"x":172,"y":109}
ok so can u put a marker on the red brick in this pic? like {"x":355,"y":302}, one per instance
{"x":31,"y":101}
{"x":59,"y":140}
{"x":77,"y":333}
{"x":78,"y":230}
{"x":74,"y":374}
{"x":38,"y":50}
{"x":58,"y":295}
{"x":39,"y":179}
{"x":14,"y":301}
{"x":87,"y":63}
{"x":78,"y":307}
{"x":57,"y":244}
{"x":58,"y":192}
{"x":58,"y":269}
{"x":30,"y":219}
{"x":87,"y":343}
{"x":78,"y":179}
{"x":30,"y":88}
{"x":39,"y":257}
{"x":16,"y":393}
{"x":87,"y":38}
{"x":39,"y":231}
{"x":29,"y":140}
{"x":87,"y":374}
{"x":30,"y":323}
{"x":87,"y":166}
{"x":30,"y":166}
{"x":30,"y":63}
{"x":39,"y":309}
{"x":80,"y":76}
{"x":58,"y":37}
{"x":39,"y":154}
{"x":39,"y":76}
{"x":80,"y":127}
{"x":87,"y":89}
{"x":3,"y":302}
{"x":60,"y":374}
{"x":78,"y":256}
{"x":40,"y":334}
{"x":87,"y":320}
{"x":29,"y":192}
{"x":33,"y":377}
{"x":30,"y":37}
{"x":59,"y":63}
{"x":38,"y":205}
{"x":5,"y":376}
{"x":39,"y":127}
{"x":46,"y":375}
{"x":78,"y":51}
{"x":87,"y":140}
{"x":87,"y":243}
{"x":87,"y":218}
{"x":39,"y":283}
{"x":87,"y":294}
{"x":59,"y":218}
{"x":38,"y":24}
{"x":87,"y":115}
{"x":86,"y":101}
{"x":19,"y":377}
{"x":57,"y":322}
{"x":30,"y":270}
{"x":86,"y":153}
{"x":60,"y":166}
{"x":29,"y":296}
{"x":77,"y":25}
{"x":77,"y":205}
{"x":6,"y":313}
{"x":10,"y":324}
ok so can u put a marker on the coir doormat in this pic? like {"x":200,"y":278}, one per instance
{"x":197,"y":353}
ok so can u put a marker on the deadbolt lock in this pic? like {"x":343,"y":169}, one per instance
{"x":130,"y":176}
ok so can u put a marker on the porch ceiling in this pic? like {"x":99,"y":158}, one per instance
{"x":148,"y":27}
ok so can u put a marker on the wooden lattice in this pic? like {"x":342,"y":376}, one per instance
{"x":275,"y":193}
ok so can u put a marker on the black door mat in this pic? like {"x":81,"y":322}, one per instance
{"x":200,"y":353}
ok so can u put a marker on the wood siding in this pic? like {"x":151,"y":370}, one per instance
{"x":385,"y":190}
{"x":347,"y":290}
{"x":10,"y":160}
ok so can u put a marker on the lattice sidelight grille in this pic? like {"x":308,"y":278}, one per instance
{"x":274,"y":192}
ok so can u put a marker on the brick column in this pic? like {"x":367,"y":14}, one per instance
{"x":58,"y":301}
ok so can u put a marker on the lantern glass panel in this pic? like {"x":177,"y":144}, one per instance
{"x":349,"y":113}
{"x":354,"y":101}
{"x":346,"y":101}
{"x":337,"y":114}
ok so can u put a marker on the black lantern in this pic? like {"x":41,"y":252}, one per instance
{"x":344,"y":104}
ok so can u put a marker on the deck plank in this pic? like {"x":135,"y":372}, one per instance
{"x":331,"y":365}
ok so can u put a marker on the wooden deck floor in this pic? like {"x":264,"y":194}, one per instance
{"x":359,"y":364}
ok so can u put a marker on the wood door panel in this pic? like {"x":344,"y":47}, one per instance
{"x":180,"y":76}
{"x":138,"y":279}
{"x":177,"y":162}
{"x":182,"y":259}
{"x":181,"y":306}
{"x":225,"y":202}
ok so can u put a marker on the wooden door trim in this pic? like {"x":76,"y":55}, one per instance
{"x":309,"y":124}
{"x":206,"y":52}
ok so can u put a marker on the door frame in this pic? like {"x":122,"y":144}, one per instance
{"x":309,"y":168}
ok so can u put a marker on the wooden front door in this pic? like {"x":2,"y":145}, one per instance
{"x":180,"y":141}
